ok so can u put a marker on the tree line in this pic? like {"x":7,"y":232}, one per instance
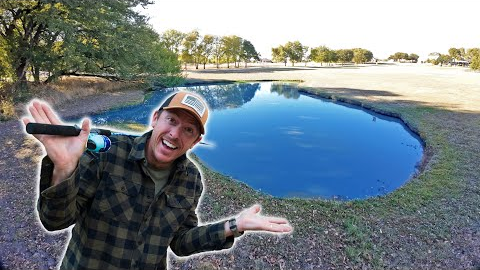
{"x":295,"y":52}
{"x":98,"y":38}
{"x":469,"y":57}
{"x":401,"y":56}
{"x":455,"y":56}
{"x":193,"y":48}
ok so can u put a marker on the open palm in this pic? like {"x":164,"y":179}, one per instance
{"x":63,"y":151}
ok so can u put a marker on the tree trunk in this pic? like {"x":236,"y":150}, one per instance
{"x":36,"y":73}
{"x":21,"y":70}
{"x":53,"y":76}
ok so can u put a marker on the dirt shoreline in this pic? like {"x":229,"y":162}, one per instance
{"x":441,"y":104}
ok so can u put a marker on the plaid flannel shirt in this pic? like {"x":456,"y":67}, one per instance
{"x":119,"y":221}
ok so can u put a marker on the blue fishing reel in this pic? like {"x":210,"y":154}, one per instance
{"x":98,"y":143}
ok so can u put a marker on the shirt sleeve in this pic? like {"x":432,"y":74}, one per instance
{"x":60,"y":205}
{"x":191,"y":238}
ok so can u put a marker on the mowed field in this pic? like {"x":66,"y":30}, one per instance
{"x":453,"y":88}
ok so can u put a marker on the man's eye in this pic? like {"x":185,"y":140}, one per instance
{"x":170,"y":120}
{"x":189,"y":130}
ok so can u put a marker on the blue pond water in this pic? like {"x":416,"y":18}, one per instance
{"x":289,"y":144}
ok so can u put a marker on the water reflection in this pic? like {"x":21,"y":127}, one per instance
{"x":226,"y":96}
{"x":218,"y":97}
{"x":286,"y":90}
{"x":285,"y":143}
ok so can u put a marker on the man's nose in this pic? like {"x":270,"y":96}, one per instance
{"x":174,"y":132}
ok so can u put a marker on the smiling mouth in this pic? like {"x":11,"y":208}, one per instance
{"x":169,"y":144}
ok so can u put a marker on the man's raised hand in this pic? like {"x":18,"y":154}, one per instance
{"x":63,"y":151}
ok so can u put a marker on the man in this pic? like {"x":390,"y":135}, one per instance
{"x":131,"y":203}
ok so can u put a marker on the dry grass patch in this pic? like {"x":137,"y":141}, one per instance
{"x":67,"y":88}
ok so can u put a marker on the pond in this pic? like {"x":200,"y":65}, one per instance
{"x":286,"y":143}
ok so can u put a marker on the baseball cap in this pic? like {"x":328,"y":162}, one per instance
{"x":190,"y":102}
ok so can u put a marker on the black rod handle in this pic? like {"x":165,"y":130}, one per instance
{"x":48,"y":129}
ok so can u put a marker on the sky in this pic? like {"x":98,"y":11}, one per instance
{"x":383,"y":27}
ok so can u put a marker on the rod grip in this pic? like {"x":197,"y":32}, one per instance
{"x":48,"y":129}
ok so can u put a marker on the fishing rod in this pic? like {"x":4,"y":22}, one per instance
{"x":98,"y":140}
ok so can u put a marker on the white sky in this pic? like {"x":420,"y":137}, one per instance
{"x":383,"y":27}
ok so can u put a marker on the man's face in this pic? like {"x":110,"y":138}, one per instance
{"x":174,"y":132}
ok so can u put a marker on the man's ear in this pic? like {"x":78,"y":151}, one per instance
{"x":196,"y":141}
{"x":155,"y":117}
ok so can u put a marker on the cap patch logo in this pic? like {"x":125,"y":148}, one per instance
{"x":194,"y":103}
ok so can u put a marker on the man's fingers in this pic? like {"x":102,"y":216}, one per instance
{"x":25,"y":121}
{"x":34,"y":113}
{"x":277,"y":220}
{"x":52,"y":117}
{"x":40,"y":112}
{"x":273,"y":227}
{"x":85,"y":127}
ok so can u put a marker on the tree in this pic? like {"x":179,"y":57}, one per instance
{"x":361,"y":56}
{"x":473,"y":56}
{"x":413,"y":57}
{"x":443,"y":59}
{"x":322,"y":55}
{"x":232,"y":47}
{"x":279,"y":54}
{"x":344,"y":55}
{"x":5,"y":68}
{"x":217,"y":49}
{"x":46,"y":34}
{"x":189,"y":51}
{"x":456,"y":54}
{"x":248,"y":52}
{"x":172,"y":40}
{"x":294,"y":51}
{"x":98,"y":38}
{"x":236,"y":49}
{"x":398,"y":56}
{"x":312,"y":56}
{"x":206,"y":48}
{"x":305,"y":54}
